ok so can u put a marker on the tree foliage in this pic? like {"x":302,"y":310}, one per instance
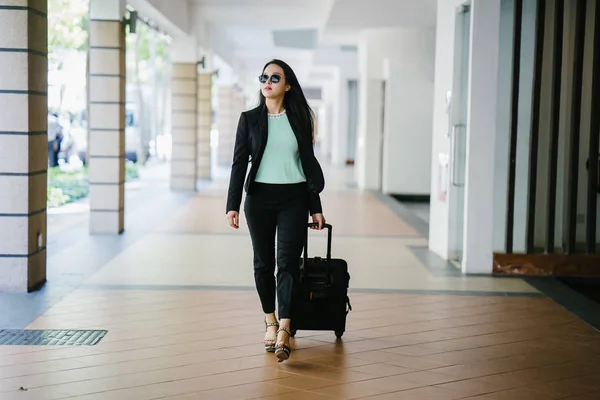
{"x":143,"y":40}
{"x":68,"y":22}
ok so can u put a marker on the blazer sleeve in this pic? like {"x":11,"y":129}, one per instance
{"x":239,"y":166}
{"x":314,"y":203}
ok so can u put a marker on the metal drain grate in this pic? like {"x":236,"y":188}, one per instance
{"x":50,"y":337}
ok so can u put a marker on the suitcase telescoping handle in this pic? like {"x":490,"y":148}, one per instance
{"x":329,"y":229}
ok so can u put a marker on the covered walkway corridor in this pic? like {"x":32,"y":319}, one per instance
{"x":412,"y":104}
{"x":176,"y":297}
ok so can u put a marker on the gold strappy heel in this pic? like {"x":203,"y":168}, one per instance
{"x":270,"y":343}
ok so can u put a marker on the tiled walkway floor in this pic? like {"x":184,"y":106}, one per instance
{"x":184,"y":323}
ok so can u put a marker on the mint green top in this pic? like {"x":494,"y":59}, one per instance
{"x":280,"y":162}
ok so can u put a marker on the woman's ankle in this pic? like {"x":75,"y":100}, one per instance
{"x":285,"y":323}
{"x":270,"y":318}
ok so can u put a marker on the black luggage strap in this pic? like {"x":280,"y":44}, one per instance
{"x":349,"y":305}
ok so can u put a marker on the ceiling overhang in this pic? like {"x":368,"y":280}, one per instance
{"x":154,"y":13}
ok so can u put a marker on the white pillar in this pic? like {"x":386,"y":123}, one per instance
{"x":408,"y":114}
{"x":481,"y":134}
{"x":343,"y":64}
{"x":394,"y":146}
{"x":321,"y":122}
{"x":368,"y":141}
{"x":339,"y":137}
{"x":204,"y":121}
{"x":230,"y":104}
{"x":107,"y":116}
{"x":327,"y":128}
{"x":23,"y":144}
{"x":184,"y":104}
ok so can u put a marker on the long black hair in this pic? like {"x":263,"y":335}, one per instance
{"x":294,"y":101}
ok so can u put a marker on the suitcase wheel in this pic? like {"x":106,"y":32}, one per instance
{"x":339,"y":334}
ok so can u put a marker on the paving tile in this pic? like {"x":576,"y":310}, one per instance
{"x":382,"y":370}
{"x":183,"y":325}
{"x":472,"y":387}
{"x":349,"y":391}
{"x":301,"y":382}
{"x":524,"y":394}
{"x":220,"y":355}
{"x":587,"y":396}
{"x":300,"y":395}
{"x":423,"y":393}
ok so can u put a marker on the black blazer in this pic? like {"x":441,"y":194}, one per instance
{"x":250,"y":143}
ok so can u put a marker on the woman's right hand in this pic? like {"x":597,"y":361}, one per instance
{"x":234,"y":219}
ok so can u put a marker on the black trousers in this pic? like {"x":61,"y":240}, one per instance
{"x":281,"y":209}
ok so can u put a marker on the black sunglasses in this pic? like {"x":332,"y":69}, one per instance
{"x":265,"y":78}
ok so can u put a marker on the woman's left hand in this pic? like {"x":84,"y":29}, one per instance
{"x":318,"y":219}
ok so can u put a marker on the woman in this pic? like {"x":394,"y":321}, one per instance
{"x":282,"y":188}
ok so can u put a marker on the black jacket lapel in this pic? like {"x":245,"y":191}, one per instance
{"x":263,"y":127}
{"x":263,"y":133}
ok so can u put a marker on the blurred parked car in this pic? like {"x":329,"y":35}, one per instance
{"x":79,"y":131}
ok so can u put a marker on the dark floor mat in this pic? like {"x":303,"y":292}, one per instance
{"x":50,"y":337}
{"x":589,"y":287}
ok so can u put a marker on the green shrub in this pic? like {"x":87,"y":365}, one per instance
{"x":66,"y":187}
{"x":56,"y":197}
{"x":132,"y":171}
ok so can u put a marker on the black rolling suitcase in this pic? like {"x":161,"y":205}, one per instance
{"x":321,"y":301}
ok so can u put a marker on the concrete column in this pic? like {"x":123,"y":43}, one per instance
{"x":481,"y":135}
{"x":394,"y":134}
{"x":409,"y":114}
{"x":23,"y":144}
{"x":482,"y":131}
{"x":228,"y":114}
{"x":369,"y":136}
{"x":344,"y":65}
{"x":184,"y":92}
{"x":204,"y":124}
{"x":339,"y":139}
{"x":331,"y":122}
{"x":107,"y":116}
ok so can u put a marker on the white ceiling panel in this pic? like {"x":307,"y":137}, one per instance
{"x":348,"y":17}
{"x":266,"y":14}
